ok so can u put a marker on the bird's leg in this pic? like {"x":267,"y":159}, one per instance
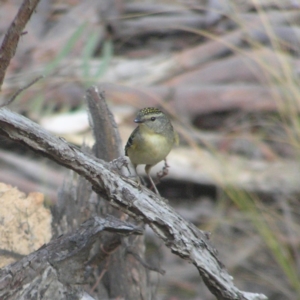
{"x":164,"y":172}
{"x":153,"y":185}
{"x":138,"y":178}
{"x":147,"y":170}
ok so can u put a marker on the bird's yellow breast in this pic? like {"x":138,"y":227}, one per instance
{"x":149,"y":149}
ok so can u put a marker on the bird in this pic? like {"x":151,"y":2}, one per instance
{"x":151,"y":141}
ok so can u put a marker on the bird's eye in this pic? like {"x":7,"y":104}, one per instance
{"x":153,"y":119}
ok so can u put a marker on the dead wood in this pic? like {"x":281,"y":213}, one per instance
{"x":191,"y":101}
{"x":59,"y":269}
{"x":260,"y":66}
{"x":105,"y":129}
{"x":183,"y":238}
{"x":160,"y":25}
{"x":256,"y":175}
{"x":120,"y":273}
{"x":13,"y":34}
{"x":124,"y":275}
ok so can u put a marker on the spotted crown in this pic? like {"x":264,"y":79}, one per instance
{"x":149,"y":110}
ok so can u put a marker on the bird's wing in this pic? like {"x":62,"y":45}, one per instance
{"x":130,"y":141}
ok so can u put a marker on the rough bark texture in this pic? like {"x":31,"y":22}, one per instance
{"x":124,"y":275}
{"x":182,"y":237}
{"x":57,"y":269}
{"x":120,"y":274}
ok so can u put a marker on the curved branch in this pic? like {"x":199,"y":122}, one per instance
{"x":182,"y":237}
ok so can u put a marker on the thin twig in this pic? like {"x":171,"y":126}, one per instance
{"x":19,"y":91}
{"x":147,"y":266}
{"x":100,"y":276}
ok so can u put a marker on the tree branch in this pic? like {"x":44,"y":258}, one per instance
{"x":55,"y":270}
{"x":12,"y":36}
{"x":182,"y":237}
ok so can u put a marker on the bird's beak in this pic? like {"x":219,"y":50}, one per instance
{"x":138,"y":120}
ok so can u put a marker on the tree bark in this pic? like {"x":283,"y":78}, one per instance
{"x":182,"y":237}
{"x":59,"y":269}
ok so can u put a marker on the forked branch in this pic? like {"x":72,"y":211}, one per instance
{"x":182,"y":237}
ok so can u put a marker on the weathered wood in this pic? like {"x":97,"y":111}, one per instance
{"x":57,"y":269}
{"x":119,"y":278}
{"x":182,"y":237}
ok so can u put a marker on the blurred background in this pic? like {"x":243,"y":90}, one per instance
{"x":226,"y":72}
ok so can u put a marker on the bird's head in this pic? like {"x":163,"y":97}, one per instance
{"x":153,"y":119}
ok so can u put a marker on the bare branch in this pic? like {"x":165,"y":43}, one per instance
{"x":104,"y":126}
{"x":182,"y":237}
{"x":56,"y":269}
{"x":19,"y":91}
{"x":146,"y":265}
{"x":12,"y":36}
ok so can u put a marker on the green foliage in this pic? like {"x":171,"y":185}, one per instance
{"x":260,"y":216}
{"x":92,"y":70}
{"x":89,"y":76}
{"x":66,"y":50}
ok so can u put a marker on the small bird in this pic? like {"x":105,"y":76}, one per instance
{"x":151,"y":141}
